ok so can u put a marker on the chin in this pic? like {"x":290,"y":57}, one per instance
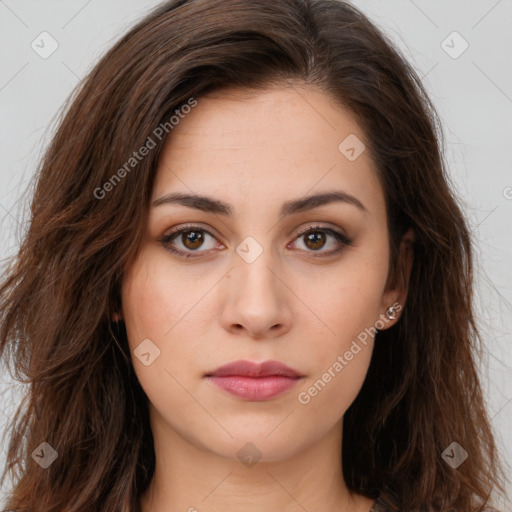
{"x":254,"y":445}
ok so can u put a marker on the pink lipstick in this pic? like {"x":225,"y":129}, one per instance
{"x":255,"y":381}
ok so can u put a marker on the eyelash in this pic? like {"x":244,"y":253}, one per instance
{"x":341,"y":238}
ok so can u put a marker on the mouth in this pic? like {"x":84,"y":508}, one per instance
{"x":254,"y":381}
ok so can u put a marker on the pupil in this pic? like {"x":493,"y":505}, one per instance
{"x":194,"y":238}
{"x":315,"y":238}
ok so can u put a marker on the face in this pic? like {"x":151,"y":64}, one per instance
{"x":258,"y":272}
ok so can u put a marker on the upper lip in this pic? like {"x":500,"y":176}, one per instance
{"x":253,"y":369}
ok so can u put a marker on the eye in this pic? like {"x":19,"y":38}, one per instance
{"x":191,"y":239}
{"x":315,"y":237}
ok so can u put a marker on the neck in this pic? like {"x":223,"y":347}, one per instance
{"x":192,"y":478}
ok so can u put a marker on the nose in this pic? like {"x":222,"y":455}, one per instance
{"x":256,"y":298}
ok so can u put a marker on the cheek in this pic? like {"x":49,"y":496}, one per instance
{"x":345,"y":302}
{"x":156,"y":298}
{"x":330,"y":392}
{"x":162,"y":306}
{"x":155,"y":303}
{"x":339,"y":362}
{"x":348,"y":306}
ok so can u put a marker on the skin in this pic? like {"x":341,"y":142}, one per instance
{"x":255,"y":151}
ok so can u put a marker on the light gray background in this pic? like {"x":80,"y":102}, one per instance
{"x":473,"y":94}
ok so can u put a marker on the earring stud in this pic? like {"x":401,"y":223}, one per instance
{"x":390,"y":313}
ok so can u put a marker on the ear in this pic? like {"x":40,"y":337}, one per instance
{"x":116,"y":317}
{"x":398,"y":285}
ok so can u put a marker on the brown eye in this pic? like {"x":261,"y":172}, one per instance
{"x":315,"y":240}
{"x":187,"y":240}
{"x":192,"y":239}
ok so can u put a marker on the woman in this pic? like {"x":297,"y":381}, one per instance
{"x":246,"y":284}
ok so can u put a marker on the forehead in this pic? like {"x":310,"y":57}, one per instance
{"x":272,"y":144}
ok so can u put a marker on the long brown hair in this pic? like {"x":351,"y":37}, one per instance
{"x":59,"y":293}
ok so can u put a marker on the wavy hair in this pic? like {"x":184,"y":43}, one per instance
{"x":59,"y":292}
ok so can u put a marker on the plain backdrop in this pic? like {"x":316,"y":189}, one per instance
{"x":467,"y":74}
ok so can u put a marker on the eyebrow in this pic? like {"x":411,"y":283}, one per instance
{"x":211,"y":205}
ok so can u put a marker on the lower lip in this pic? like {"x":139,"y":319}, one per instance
{"x":254,"y":388}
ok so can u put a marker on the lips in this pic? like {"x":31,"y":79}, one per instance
{"x":254,"y":381}
{"x":250,"y":369}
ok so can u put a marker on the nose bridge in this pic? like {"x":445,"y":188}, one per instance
{"x":253,"y":263}
{"x":255,"y":299}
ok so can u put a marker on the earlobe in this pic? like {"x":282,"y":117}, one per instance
{"x":116,"y":317}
